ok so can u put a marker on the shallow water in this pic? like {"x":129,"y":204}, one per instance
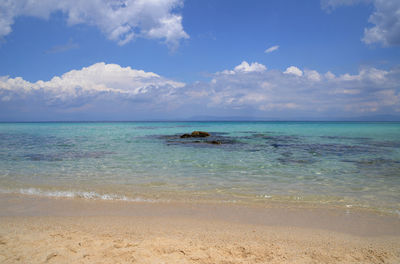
{"x":344,"y":164}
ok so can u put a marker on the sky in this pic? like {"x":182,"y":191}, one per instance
{"x":97,"y":60}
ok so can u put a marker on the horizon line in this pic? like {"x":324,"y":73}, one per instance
{"x":180,"y":120}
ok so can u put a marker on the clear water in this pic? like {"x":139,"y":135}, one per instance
{"x":344,"y":164}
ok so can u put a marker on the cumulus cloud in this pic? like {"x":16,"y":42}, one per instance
{"x":271,"y":49}
{"x":247,"y":89}
{"x":245,"y":67}
{"x":294,"y":70}
{"x":119,"y":20}
{"x":253,"y":67}
{"x":385,"y":18}
{"x":97,"y":80}
{"x":330,"y":76}
{"x":312,"y":75}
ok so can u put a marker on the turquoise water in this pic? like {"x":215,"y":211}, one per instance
{"x":343,"y":164}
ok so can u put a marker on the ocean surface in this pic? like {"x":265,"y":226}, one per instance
{"x":317,"y":163}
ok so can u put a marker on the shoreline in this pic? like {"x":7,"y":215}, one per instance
{"x":53,"y":230}
{"x":353,"y":220}
{"x":150,"y":196}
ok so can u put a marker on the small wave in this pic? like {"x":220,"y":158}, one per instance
{"x":76,"y":194}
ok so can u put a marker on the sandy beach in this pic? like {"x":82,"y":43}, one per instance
{"x":45,"y":230}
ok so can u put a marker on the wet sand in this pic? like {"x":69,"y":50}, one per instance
{"x":45,"y":230}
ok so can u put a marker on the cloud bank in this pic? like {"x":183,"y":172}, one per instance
{"x":249,"y":89}
{"x":119,"y":20}
{"x":385,"y":19}
{"x":296,"y":92}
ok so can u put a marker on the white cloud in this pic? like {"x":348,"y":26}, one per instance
{"x":119,"y":20}
{"x":171,"y":29}
{"x":271,"y":49}
{"x":293,"y":70}
{"x":253,"y":67}
{"x":370,"y":74}
{"x":99,"y":78}
{"x":312,"y":75}
{"x":330,"y":76}
{"x":385,"y":18}
{"x":245,"y":67}
{"x":349,"y":77}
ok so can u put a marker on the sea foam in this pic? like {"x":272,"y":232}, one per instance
{"x":90,"y":195}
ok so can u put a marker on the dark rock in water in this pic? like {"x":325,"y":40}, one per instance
{"x":200,"y":134}
{"x":186,"y":136}
{"x":201,"y":139}
{"x":196,"y":134}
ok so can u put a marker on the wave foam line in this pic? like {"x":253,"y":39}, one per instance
{"x":76,"y":194}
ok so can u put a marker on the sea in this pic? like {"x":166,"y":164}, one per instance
{"x":339,"y":164}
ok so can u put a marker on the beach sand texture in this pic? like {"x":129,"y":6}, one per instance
{"x":71,"y":231}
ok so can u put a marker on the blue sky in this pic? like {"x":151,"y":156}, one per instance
{"x":174,"y":59}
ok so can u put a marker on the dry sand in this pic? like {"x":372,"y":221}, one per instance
{"x":41,"y":230}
